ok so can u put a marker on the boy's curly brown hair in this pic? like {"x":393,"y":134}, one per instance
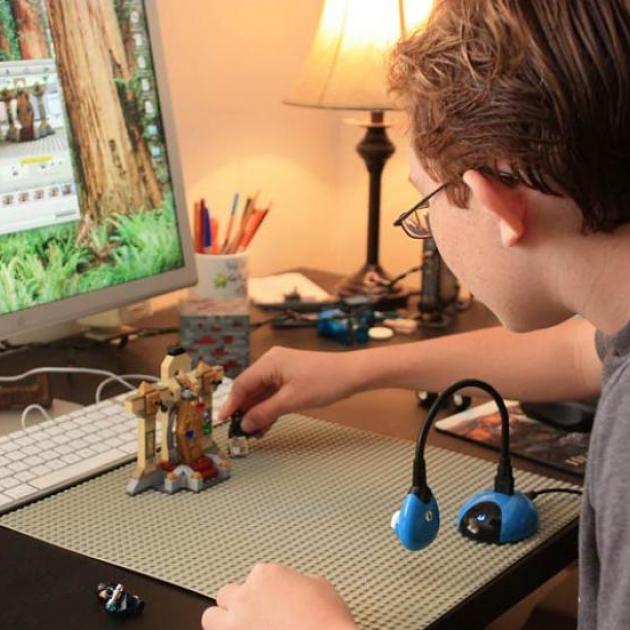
{"x":541,"y":84}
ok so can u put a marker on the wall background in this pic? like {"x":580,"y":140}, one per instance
{"x":229,"y":65}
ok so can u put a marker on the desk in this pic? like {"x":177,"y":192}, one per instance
{"x":43,"y":586}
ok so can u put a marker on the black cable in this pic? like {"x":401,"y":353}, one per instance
{"x":394,"y":281}
{"x":532,"y":494}
{"x":504,"y":479}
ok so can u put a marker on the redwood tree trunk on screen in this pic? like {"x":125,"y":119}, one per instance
{"x":88,"y":45}
{"x":5,"y":48}
{"x":31,"y":29}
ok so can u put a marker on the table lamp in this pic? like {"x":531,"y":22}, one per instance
{"x":346,"y":69}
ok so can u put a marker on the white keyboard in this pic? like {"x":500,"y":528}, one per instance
{"x":58,"y":453}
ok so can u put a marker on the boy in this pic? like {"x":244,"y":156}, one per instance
{"x":520,"y":126}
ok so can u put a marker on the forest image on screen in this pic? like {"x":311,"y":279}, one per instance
{"x":86,"y":200}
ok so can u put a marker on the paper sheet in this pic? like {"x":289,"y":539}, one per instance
{"x":273,"y":289}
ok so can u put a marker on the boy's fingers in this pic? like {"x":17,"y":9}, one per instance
{"x":214,"y":618}
{"x":264,"y":414}
{"x":229,"y":407}
{"x":226,"y":594}
{"x":245,"y":386}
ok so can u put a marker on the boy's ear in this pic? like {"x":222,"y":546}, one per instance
{"x":506,"y":203}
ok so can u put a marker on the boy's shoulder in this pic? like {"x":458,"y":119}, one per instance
{"x":614,"y":351}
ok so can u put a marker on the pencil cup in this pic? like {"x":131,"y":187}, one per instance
{"x":221,"y":276}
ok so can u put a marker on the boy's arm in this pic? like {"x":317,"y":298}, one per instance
{"x":558,"y":363}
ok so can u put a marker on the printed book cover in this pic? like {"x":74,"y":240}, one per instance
{"x":530,"y":439}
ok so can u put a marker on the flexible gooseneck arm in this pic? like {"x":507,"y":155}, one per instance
{"x":504,"y":480}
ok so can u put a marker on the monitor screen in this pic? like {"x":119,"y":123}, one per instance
{"x":87,"y":201}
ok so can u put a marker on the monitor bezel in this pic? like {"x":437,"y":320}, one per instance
{"x":73,"y":308}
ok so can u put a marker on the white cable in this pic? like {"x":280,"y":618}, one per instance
{"x":64,"y":370}
{"x":76,"y":370}
{"x":107,"y":381}
{"x":33,"y":408}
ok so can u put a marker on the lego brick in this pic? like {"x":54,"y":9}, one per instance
{"x":219,"y":339}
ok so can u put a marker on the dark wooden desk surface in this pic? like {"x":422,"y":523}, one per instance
{"x":43,"y":586}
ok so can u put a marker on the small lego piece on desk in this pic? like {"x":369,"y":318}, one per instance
{"x":237,"y":438}
{"x":118,"y":601}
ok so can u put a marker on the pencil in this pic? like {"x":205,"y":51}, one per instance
{"x":253,"y":226}
{"x":243,"y":223}
{"x":214,"y":230}
{"x":196,"y":227}
{"x":226,"y":240}
{"x":207,"y":230}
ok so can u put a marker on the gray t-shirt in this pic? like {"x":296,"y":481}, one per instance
{"x":605,"y":519}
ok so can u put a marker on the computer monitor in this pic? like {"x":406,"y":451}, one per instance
{"x":92,"y":210}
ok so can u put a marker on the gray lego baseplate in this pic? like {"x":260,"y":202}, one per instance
{"x":312,"y":495}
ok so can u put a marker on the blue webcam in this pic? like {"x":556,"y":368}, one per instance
{"x":491,"y":516}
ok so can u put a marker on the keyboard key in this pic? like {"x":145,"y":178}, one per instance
{"x":4,"y":499}
{"x":61,"y":439}
{"x":17,"y":466}
{"x":25,"y":475}
{"x":34,"y":460}
{"x":15,"y":456}
{"x":23,"y":441}
{"x":84,"y":453}
{"x":3,"y":460}
{"x":46,"y":444}
{"x":18,"y":492}
{"x":38,"y":471}
{"x":5,"y":472}
{"x":9,"y":482}
{"x":65,"y":449}
{"x":78,"y":469}
{"x":31,"y":449}
{"x":107,"y":433}
{"x":129,"y":448}
{"x":56,"y":464}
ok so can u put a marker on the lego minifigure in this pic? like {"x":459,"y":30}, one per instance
{"x":118,"y":601}
{"x":237,"y":438}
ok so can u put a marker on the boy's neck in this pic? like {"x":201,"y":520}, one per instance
{"x":596,"y":283}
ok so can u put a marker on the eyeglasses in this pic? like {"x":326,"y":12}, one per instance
{"x":415,"y":221}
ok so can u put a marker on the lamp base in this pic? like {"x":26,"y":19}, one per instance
{"x":373,"y":282}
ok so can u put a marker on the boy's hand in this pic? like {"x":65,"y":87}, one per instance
{"x":285,"y":380}
{"x":277,"y":597}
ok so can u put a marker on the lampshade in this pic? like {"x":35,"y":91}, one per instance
{"x":346,"y":66}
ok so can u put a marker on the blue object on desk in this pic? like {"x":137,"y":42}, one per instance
{"x":345,"y":328}
{"x":496,"y":517}
{"x":418,"y":522}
